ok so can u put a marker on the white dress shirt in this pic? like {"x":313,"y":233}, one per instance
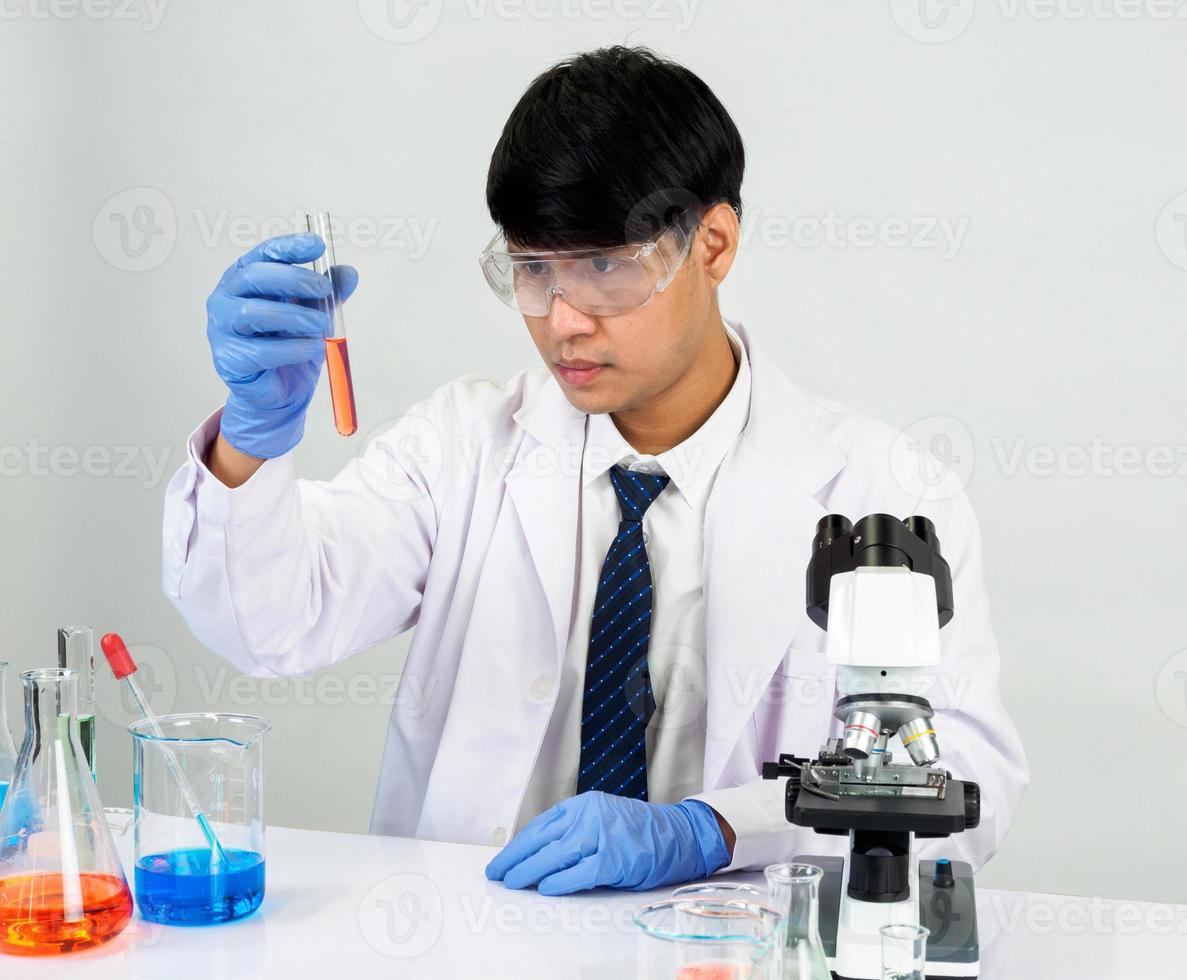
{"x":673,"y":532}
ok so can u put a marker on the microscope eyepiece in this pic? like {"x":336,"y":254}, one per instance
{"x":829,"y":528}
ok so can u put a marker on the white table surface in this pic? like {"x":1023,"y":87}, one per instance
{"x":355,"y":907}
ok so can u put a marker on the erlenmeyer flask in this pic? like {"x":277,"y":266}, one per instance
{"x":795,"y":890}
{"x":7,"y":749}
{"x":61,"y":884}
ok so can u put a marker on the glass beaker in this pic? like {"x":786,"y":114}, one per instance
{"x":186,"y":873}
{"x":695,"y":939}
{"x":7,"y":749}
{"x":76,"y":651}
{"x":795,"y":891}
{"x":904,"y":952}
{"x":723,"y":891}
{"x":61,"y":884}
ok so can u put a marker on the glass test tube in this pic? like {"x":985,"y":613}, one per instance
{"x":76,"y":651}
{"x":337,"y":358}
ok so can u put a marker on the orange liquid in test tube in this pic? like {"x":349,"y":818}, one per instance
{"x":337,"y":360}
{"x":341,"y":386}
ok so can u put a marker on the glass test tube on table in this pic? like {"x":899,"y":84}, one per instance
{"x":337,"y":357}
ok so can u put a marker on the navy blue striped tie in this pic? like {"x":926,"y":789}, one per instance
{"x":618,"y":701}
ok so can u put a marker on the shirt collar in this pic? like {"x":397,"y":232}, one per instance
{"x":693,"y":463}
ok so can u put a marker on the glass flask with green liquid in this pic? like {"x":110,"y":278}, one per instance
{"x":76,"y":651}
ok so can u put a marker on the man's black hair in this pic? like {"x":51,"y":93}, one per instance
{"x":609,"y":146}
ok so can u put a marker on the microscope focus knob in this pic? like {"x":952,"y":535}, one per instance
{"x":972,"y":805}
{"x":943,"y":876}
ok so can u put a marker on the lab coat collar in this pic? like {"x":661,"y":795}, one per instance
{"x":690,"y":465}
{"x":761,"y":507}
{"x":782,"y":428}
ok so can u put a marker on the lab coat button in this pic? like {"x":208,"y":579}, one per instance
{"x":542,"y":687}
{"x":499,"y":837}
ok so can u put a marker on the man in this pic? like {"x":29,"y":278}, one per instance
{"x":604,"y":558}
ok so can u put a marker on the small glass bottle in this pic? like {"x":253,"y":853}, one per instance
{"x":904,"y":952}
{"x":7,"y":749}
{"x":61,"y":884}
{"x":76,"y":651}
{"x":795,"y":891}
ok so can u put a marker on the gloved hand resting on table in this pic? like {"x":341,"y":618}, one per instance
{"x":598,"y":839}
{"x":267,"y":337}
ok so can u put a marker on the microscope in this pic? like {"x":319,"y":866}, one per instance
{"x":882,"y":591}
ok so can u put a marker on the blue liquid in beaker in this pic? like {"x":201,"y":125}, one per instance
{"x":178,"y":887}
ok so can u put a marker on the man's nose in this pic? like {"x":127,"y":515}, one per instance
{"x":566,"y":321}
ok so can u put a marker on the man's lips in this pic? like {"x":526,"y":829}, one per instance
{"x":578,"y":364}
{"x":579,"y":372}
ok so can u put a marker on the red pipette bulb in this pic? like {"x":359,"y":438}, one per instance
{"x":117,"y":655}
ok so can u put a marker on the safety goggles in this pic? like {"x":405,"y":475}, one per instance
{"x":597,"y":281}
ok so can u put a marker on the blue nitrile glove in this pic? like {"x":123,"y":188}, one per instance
{"x":598,"y":839}
{"x":267,"y":337}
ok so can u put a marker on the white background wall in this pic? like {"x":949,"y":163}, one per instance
{"x":1043,"y":353}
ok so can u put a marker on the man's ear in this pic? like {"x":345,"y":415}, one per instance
{"x":717,"y":242}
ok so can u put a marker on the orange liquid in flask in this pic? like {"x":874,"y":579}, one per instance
{"x":341,"y":386}
{"x":42,"y":914}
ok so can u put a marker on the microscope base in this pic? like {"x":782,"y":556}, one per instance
{"x":950,"y":914}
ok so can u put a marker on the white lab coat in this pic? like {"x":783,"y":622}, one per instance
{"x":461,"y":520}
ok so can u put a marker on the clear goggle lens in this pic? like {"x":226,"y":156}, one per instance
{"x":597,"y":281}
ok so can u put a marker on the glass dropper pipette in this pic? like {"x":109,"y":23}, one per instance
{"x":123,"y":666}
